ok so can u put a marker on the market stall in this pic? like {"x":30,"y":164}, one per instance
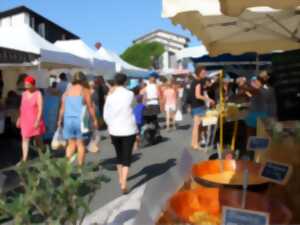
{"x":121,"y":65}
{"x":50,"y":56}
{"x":259,"y":30}
{"x":98,"y":65}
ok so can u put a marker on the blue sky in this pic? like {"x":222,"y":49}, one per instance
{"x":115,"y":23}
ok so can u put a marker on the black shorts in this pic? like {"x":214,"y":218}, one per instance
{"x":123,"y":146}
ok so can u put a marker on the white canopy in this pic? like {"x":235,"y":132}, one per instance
{"x":192,"y":52}
{"x":23,"y":38}
{"x":121,"y":65}
{"x":97,"y":63}
{"x":256,"y":30}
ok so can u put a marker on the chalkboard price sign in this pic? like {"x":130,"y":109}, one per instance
{"x":233,"y":216}
{"x":276,"y":172}
{"x":258,"y":144}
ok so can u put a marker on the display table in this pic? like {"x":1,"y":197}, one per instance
{"x":284,"y":150}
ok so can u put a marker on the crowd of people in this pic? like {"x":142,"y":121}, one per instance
{"x":67,"y":104}
{"x":130,"y":116}
{"x":255,"y":94}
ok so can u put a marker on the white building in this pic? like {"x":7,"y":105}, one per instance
{"x":47,"y":29}
{"x":172,"y":42}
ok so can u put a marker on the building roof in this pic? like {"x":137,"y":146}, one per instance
{"x":21,"y":9}
{"x":163,"y":31}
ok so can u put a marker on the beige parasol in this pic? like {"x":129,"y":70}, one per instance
{"x":260,"y":30}
{"x":236,"y":7}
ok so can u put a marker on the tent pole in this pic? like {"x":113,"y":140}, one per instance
{"x":222,"y":103}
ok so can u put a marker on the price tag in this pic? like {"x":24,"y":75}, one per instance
{"x":258,"y":144}
{"x":234,"y":216}
{"x":276,"y":172}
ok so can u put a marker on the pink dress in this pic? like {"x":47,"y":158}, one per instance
{"x":28,"y":116}
{"x":170,"y":98}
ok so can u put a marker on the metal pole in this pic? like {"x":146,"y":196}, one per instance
{"x":222,"y":106}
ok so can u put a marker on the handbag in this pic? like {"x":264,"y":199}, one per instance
{"x":58,"y":141}
{"x":94,"y":144}
{"x":178,"y":116}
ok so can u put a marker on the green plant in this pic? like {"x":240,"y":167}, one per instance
{"x":143,"y":54}
{"x":54,"y":192}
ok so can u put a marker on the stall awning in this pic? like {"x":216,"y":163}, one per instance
{"x":12,"y":56}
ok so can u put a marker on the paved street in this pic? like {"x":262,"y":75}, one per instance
{"x":151,"y":162}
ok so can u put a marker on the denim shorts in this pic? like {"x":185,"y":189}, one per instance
{"x":199,"y":111}
{"x":72,"y":128}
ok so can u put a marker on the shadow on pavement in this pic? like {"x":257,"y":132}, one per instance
{"x":152,"y":171}
{"x":110,"y":164}
{"x":124,"y":216}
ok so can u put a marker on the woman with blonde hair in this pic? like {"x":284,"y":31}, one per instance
{"x":74,"y":101}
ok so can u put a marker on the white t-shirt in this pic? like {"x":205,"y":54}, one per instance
{"x":118,"y":113}
{"x":152,"y":94}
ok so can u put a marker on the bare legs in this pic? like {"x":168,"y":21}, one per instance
{"x":81,"y":152}
{"x":25,"y":146}
{"x":25,"y":149}
{"x":123,"y":178}
{"x":122,"y":174}
{"x":74,"y":144}
{"x":196,"y":132}
{"x":170,"y":120}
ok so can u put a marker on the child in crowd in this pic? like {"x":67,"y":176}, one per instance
{"x":138,"y":114}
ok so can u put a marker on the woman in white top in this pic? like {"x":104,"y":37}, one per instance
{"x":119,"y":117}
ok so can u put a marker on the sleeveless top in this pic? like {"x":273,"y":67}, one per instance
{"x":152,"y":94}
{"x":28,"y":115}
{"x":195,"y":103}
{"x":73,"y":106}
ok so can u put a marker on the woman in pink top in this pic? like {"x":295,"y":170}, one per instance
{"x":30,"y":120}
{"x":170,"y":103}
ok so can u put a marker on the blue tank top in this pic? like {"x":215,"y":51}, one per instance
{"x":73,"y":106}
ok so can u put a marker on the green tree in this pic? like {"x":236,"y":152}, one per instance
{"x":143,"y":54}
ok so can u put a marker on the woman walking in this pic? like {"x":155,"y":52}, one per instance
{"x":170,"y":104}
{"x":74,"y":101}
{"x":30,"y":120}
{"x":119,"y":117}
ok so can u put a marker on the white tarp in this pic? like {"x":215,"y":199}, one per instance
{"x":23,"y":38}
{"x":121,"y":65}
{"x":192,"y":52}
{"x":97,"y":63}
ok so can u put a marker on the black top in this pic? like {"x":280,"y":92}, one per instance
{"x":195,"y":103}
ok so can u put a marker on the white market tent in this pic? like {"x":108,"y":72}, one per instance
{"x":121,"y":65}
{"x":23,"y":38}
{"x":97,"y":64}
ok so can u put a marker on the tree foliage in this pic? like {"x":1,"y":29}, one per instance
{"x":143,"y":54}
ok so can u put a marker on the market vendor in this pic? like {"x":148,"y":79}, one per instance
{"x":242,"y":95}
{"x":262,"y":105}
